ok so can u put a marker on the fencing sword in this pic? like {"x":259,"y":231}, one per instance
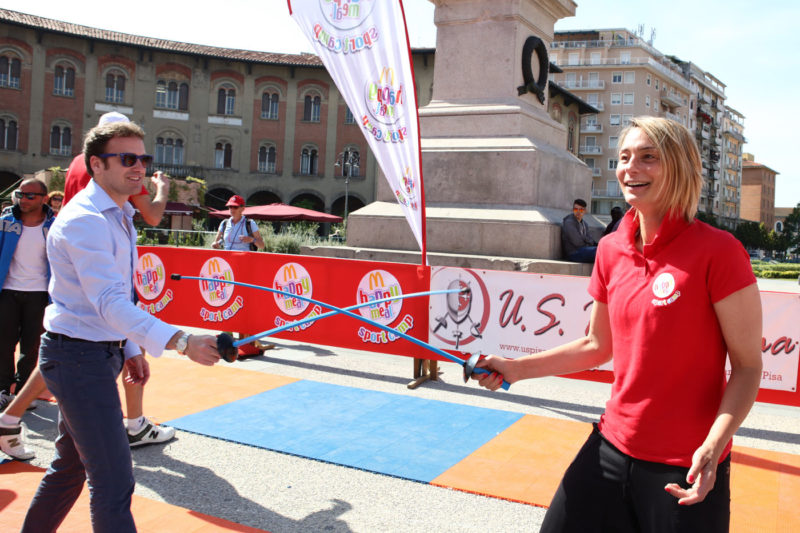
{"x":227,"y":347}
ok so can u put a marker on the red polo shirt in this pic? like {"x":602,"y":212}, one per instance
{"x":77,"y":178}
{"x":669,"y":353}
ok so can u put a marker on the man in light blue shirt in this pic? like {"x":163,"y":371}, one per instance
{"x":92,"y":248}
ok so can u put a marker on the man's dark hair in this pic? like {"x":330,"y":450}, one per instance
{"x":581,"y":202}
{"x":42,"y":185}
{"x":96,"y":139}
{"x":616,"y":212}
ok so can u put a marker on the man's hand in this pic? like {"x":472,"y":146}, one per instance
{"x":202,"y":349}
{"x":161,"y":182}
{"x":138,"y":370}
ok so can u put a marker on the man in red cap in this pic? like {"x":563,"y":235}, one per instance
{"x":237,"y":233}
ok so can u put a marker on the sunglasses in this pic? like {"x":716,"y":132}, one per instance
{"x":128,"y":159}
{"x":28,"y":195}
{"x":56,"y":199}
{"x":579,"y":209}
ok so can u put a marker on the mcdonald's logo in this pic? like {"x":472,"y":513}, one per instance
{"x":387,"y":73}
{"x":376,"y":280}
{"x":289,"y":272}
{"x":147,"y":261}
{"x":213,"y":266}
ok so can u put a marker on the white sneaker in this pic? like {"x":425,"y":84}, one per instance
{"x":12,"y":443}
{"x":5,"y":399}
{"x":150,"y":434}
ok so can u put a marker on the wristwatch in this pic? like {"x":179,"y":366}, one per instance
{"x":182,"y":343}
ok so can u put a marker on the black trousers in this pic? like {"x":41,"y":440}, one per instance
{"x":21,"y":315}
{"x":605,"y":490}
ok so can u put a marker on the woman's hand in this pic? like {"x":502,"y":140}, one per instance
{"x":701,"y":476}
{"x":497,"y":367}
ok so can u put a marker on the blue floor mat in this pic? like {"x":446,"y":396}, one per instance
{"x":381,"y":432}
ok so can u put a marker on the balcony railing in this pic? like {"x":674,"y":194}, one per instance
{"x":592,"y":128}
{"x":606,"y":192}
{"x":593,"y":149}
{"x":596,"y":172}
{"x":583,"y":84}
{"x":176,"y":171}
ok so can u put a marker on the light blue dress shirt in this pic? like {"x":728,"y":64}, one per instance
{"x":91,"y":248}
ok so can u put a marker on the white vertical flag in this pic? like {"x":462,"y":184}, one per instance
{"x":364,"y":46}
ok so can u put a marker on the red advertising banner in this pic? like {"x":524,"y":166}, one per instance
{"x":339,"y":282}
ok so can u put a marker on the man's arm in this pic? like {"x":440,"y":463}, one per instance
{"x":152,"y":209}
{"x":572,"y":233}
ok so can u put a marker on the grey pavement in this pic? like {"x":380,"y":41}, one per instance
{"x":283,"y":493}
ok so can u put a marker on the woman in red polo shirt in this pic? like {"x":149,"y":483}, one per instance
{"x":672,"y":296}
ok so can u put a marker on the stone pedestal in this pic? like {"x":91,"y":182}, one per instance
{"x":497,"y":177}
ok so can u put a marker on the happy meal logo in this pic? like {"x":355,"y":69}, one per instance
{"x":385,"y":97}
{"x":346,"y":14}
{"x":293,"y":279}
{"x":216,"y":293}
{"x":379,"y":285}
{"x":149,"y":276}
{"x":664,"y":289}
{"x":406,"y":194}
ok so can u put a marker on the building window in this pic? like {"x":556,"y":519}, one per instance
{"x":309,"y":159}
{"x":595,"y":58}
{"x":115,"y":87}
{"x":10,"y":68}
{"x":61,"y":140}
{"x":630,"y":77}
{"x":269,"y":106}
{"x":612,"y":142}
{"x":613,"y":120}
{"x":348,"y":116}
{"x":612,"y":164}
{"x":8,"y":134}
{"x":648,"y":80}
{"x":169,"y":151}
{"x":571,"y":136}
{"x":625,"y":58}
{"x":616,"y":77}
{"x":170,"y":95}
{"x":647,"y":100}
{"x":311,"y":108}
{"x":616,"y":98}
{"x":626,"y":119}
{"x":656,"y":84}
{"x":573,"y":58}
{"x":64,"y":81}
{"x":627,"y":99}
{"x":226,"y":100}
{"x":223,"y":155}
{"x":267,"y":156}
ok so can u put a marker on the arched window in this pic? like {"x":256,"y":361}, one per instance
{"x":10,"y":68}
{"x":8,"y":134}
{"x":311,"y":108}
{"x":226,"y":100}
{"x":571,"y":136}
{"x":266,"y":159}
{"x":309,"y":159}
{"x":269,"y":105}
{"x":115,"y":87}
{"x":169,"y":151}
{"x":171,"y":95}
{"x":61,"y":140}
{"x":223,"y":155}
{"x":348,"y":116}
{"x":64,"y":81}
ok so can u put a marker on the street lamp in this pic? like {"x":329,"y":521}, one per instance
{"x":349,"y":159}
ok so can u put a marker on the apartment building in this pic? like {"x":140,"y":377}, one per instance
{"x":623,"y":76}
{"x":758,"y":192}
{"x":733,"y":141}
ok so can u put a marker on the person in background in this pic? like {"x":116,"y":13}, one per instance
{"x":236,"y":232}
{"x":616,"y":216}
{"x":24,"y":274}
{"x":91,"y":248}
{"x":55,"y":201}
{"x":673,"y":297}
{"x":576,"y":242}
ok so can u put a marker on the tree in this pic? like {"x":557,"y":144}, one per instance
{"x":791,"y":231}
{"x":752,"y":235}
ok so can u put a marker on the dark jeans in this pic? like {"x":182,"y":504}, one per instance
{"x":92,"y":443}
{"x":606,"y":491}
{"x":583,"y":255}
{"x":21,"y":315}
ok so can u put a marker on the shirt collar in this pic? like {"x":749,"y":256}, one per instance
{"x":103,"y":201}
{"x":671,"y":226}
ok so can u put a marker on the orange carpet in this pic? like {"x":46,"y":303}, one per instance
{"x":20,"y":481}
{"x":525,"y":464}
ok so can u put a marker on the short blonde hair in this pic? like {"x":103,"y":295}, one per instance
{"x":680,"y":160}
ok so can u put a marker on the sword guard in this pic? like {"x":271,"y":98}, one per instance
{"x":469,"y":365}
{"x":226,"y":348}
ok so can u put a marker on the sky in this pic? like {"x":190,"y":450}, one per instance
{"x":752,"y":47}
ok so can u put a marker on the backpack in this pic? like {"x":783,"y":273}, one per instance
{"x":253,"y":247}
